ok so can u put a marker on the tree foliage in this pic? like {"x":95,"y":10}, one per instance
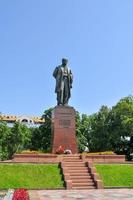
{"x":108,"y":129}
{"x":82,"y":131}
{"x":5,"y":134}
{"x":41,"y":137}
{"x":121,"y":124}
{"x":100,"y":138}
{"x":13,"y":139}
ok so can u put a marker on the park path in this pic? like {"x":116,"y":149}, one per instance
{"x":101,"y":194}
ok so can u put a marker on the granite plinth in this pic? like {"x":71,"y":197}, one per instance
{"x":63,"y":129}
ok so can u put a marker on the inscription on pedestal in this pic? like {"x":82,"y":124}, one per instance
{"x":64,"y":123}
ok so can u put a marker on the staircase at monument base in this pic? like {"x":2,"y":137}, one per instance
{"x":77,"y":172}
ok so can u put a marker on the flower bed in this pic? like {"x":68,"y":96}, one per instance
{"x":30,"y":152}
{"x":20,"y":194}
{"x":99,"y":153}
{"x":60,"y":150}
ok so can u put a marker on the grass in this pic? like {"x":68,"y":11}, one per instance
{"x":116,"y":175}
{"x":30,"y":176}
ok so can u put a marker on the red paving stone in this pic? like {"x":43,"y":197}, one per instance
{"x":103,"y":194}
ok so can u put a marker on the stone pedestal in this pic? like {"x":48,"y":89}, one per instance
{"x":63,"y":129}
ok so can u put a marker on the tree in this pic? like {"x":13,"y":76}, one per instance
{"x":41,"y":137}
{"x":121,"y":125}
{"x":13,"y":139}
{"x":5,"y":134}
{"x":100,"y":138}
{"x":81,"y":128}
{"x":19,"y":139}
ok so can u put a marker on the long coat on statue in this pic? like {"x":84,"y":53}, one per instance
{"x":58,"y":75}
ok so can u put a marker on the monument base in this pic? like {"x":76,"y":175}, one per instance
{"x":63,"y":129}
{"x":54,"y":158}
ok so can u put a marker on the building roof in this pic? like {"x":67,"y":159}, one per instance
{"x":29,"y":119}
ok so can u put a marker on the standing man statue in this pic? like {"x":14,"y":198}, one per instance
{"x":64,"y":79}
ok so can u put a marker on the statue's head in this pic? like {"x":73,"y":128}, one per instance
{"x":64,"y":61}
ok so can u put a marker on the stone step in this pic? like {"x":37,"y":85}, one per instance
{"x":75,"y":173}
{"x":76,"y":167}
{"x":74,"y":164}
{"x":86,"y":177}
{"x":72,"y":161}
{"x":83,"y":187}
{"x":83,"y":184}
{"x":71,"y":156}
{"x":77,"y":170}
{"x":82,"y":180}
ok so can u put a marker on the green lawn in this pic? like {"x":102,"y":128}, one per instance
{"x":116,"y":174}
{"x":30,"y":176}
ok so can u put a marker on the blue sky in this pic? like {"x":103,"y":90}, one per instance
{"x":95,"y":35}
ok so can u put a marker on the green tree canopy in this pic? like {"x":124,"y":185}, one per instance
{"x":121,"y":124}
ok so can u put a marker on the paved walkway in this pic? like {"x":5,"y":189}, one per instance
{"x":104,"y":194}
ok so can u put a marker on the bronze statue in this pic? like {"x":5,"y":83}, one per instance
{"x":64,"y":79}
